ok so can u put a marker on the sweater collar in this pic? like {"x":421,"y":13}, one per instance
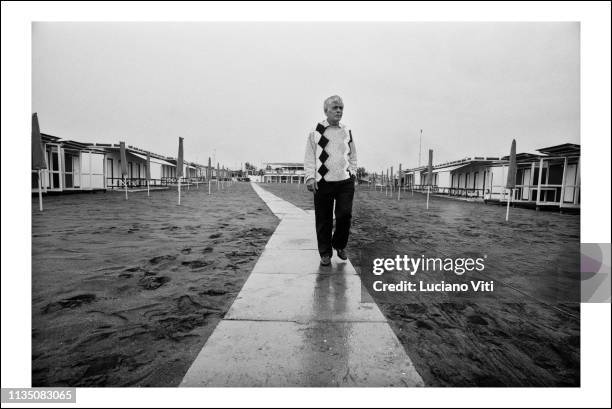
{"x":325,"y":124}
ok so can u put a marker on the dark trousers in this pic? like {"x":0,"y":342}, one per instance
{"x":342,"y":192}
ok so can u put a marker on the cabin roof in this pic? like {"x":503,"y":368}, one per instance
{"x":565,"y":149}
{"x":287,"y":164}
{"x":523,"y":157}
{"x":49,"y":138}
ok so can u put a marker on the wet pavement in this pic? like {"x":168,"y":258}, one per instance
{"x":295,"y":323}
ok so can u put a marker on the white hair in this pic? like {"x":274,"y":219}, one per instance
{"x":329,"y":101}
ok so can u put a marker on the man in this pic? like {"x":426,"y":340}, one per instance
{"x":330,"y":163}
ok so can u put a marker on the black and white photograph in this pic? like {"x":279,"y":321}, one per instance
{"x":308,"y":204}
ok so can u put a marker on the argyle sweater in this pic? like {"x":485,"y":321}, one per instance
{"x":330,"y":153}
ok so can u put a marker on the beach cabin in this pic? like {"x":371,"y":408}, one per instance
{"x":136,"y":167}
{"x":283,"y":172}
{"x":549,"y":178}
{"x":200,"y":172}
{"x":168,"y":171}
{"x":469,"y":177}
{"x":71,"y":166}
{"x":190,"y":172}
{"x":497,"y":176}
{"x":413,"y":178}
{"x":559,"y":179}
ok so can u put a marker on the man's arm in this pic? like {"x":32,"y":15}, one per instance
{"x":309,"y":159}
{"x":352,"y":156}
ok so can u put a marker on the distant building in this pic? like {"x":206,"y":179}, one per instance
{"x":76,"y":166}
{"x":71,"y":166}
{"x":550,"y":177}
{"x":163,"y":171}
{"x":283,"y":172}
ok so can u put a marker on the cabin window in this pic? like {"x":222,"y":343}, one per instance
{"x":71,"y":170}
{"x":555,"y":176}
{"x":54,"y":170}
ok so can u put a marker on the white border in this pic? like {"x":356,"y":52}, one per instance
{"x":16,"y":216}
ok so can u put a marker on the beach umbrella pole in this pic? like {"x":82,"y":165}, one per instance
{"x":40,"y":190}
{"x":427,"y":197}
{"x":125,"y":184}
{"x":148,"y":190}
{"x":508,"y":205}
{"x":209,"y":186}
{"x":179,"y":191}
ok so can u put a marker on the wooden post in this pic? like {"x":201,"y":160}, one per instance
{"x":539,"y":182}
{"x":577,"y":183}
{"x":563,"y":183}
{"x":40,"y":205}
{"x":531,"y":180}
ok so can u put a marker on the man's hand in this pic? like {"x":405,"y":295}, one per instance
{"x":312,"y":185}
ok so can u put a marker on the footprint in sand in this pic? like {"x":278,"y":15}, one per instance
{"x":423,"y":325}
{"x":186,"y":250}
{"x":186,"y":304}
{"x":152,"y":282}
{"x":213,"y":292}
{"x":196,"y":263}
{"x":134,"y":269}
{"x":214,"y":236}
{"x":159,"y":259}
{"x":72,"y":302}
{"x":477,"y":319}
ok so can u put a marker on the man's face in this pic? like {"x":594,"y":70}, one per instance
{"x":334,"y":112}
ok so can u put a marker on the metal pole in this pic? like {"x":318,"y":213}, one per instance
{"x":387,"y":183}
{"x":400,"y":182}
{"x":40,"y":190}
{"x":420,"y":137}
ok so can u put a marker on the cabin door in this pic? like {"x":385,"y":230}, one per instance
{"x":53,"y":160}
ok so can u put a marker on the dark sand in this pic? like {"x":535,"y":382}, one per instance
{"x":525,"y":333}
{"x":126,"y":293}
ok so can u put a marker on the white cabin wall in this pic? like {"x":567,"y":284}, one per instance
{"x":444,"y":179}
{"x":156,"y":170}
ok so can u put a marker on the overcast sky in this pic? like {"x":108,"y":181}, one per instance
{"x":253,"y":91}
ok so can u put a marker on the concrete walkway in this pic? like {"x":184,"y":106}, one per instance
{"x":297,"y":324}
